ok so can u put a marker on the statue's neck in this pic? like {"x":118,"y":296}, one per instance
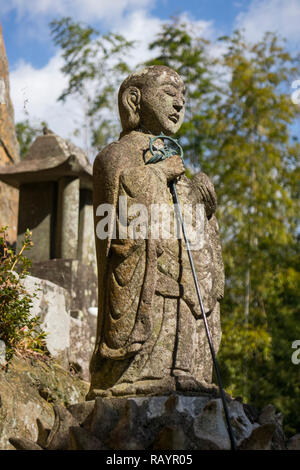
{"x":140,"y":129}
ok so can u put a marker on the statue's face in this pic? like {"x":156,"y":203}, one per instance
{"x":162,"y":104}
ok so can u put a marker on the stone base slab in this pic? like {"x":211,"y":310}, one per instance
{"x":174,"y":422}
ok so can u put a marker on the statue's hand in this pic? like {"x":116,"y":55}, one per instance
{"x":207,"y":192}
{"x":172,"y":167}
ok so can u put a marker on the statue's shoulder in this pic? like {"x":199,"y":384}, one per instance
{"x":201,"y":179}
{"x":105,"y":155}
{"x":117,"y":152}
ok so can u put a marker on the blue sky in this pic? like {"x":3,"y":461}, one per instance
{"x":36,"y":80}
{"x":27,"y":36}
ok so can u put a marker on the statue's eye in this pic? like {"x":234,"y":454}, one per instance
{"x":170,"y":92}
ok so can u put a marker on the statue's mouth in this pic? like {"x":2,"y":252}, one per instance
{"x":174,"y":118}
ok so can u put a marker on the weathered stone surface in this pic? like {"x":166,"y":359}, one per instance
{"x":9,"y":202}
{"x":63,"y":310}
{"x":37,"y":205}
{"x":104,"y":417}
{"x":260,"y":438}
{"x":24,"y":444}
{"x":43,"y":434}
{"x":267,"y":415}
{"x":9,"y":149}
{"x":137,"y":423}
{"x":52,"y":305}
{"x":55,"y":199}
{"x":22,"y":403}
{"x":240,"y":422}
{"x":174,"y":422}
{"x":58,"y":438}
{"x":123,"y":436}
{"x":86,"y":238}
{"x":80,"y":281}
{"x":68,"y":218}
{"x":81,"y":411}
{"x":82,"y":342}
{"x":210,"y":428}
{"x":56,"y":205}
{"x":49,"y":158}
{"x":169,"y":438}
{"x":80,"y":439}
{"x":151,"y":338}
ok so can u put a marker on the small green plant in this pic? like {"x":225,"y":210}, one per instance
{"x":19,"y":330}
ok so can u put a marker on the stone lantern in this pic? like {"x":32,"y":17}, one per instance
{"x":55,"y":203}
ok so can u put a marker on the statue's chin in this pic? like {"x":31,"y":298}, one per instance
{"x":161,"y":126}
{"x":170,"y":129}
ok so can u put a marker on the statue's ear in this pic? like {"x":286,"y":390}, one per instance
{"x":131,"y":99}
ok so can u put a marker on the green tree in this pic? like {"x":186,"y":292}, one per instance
{"x":181,"y":48}
{"x":94,"y":65}
{"x":255,"y":160}
{"x":26,"y":133}
{"x":238,"y":126}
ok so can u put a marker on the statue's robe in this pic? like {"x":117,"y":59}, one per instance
{"x":149,"y":320}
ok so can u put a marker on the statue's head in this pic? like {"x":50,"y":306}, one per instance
{"x":152,"y":99}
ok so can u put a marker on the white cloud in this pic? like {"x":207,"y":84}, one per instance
{"x":138,"y":26}
{"x":281,"y":16}
{"x":35,"y":91}
{"x":86,"y":10}
{"x":143,"y":28}
{"x":34,"y":94}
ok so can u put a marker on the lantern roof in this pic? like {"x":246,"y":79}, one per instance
{"x":49,"y":158}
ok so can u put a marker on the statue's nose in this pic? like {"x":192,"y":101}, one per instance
{"x":178,"y":107}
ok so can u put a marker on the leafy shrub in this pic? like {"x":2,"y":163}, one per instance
{"x":18,"y":329}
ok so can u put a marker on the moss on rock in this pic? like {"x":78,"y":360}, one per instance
{"x":28,"y":389}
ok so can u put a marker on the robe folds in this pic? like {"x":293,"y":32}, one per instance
{"x":149,"y":321}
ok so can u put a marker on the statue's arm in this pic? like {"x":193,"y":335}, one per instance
{"x":205,"y":193}
{"x":142,"y":185}
{"x":137,"y":189}
{"x":141,"y":177}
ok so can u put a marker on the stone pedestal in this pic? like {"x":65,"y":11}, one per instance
{"x":174,"y":422}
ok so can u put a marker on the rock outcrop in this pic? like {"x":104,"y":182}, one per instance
{"x":27,"y":392}
{"x":174,"y":422}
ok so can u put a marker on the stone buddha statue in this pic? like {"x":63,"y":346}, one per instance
{"x":150,"y":335}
